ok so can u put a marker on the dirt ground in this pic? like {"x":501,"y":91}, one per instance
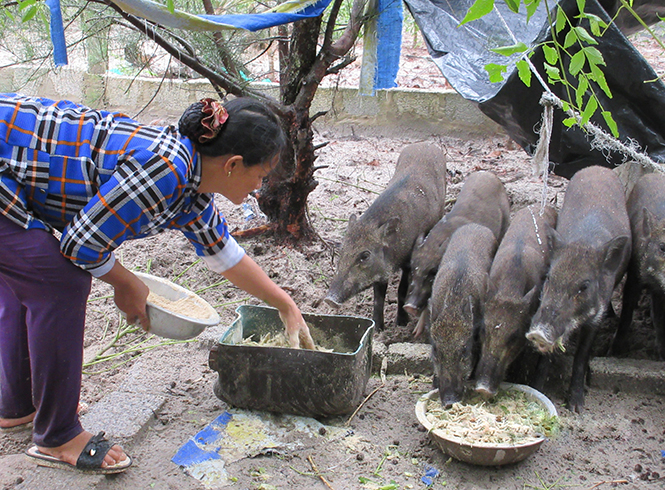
{"x":618,"y":441}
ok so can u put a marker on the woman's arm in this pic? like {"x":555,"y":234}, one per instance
{"x":249,"y":277}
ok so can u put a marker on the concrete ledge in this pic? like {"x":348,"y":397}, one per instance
{"x":628,"y":375}
{"x":393,"y":112}
{"x":402,"y":358}
{"x":607,"y":373}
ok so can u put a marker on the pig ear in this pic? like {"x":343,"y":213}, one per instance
{"x":647,"y":222}
{"x":420,"y":240}
{"x":490,"y":289}
{"x":554,"y":239}
{"x":352,"y":219}
{"x":614,"y":252}
{"x":389,"y":229}
{"x":529,"y":297}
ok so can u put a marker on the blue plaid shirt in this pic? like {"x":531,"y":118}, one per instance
{"x":101,"y":178}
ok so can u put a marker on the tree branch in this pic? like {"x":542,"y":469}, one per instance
{"x":218,"y":80}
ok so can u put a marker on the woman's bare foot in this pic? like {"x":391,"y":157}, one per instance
{"x":70,"y":451}
{"x":11,"y":423}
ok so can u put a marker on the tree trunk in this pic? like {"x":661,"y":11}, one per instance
{"x":283,"y":197}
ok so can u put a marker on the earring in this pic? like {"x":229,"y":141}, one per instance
{"x":229,"y":174}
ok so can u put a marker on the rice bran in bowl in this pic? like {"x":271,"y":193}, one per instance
{"x":504,"y":430}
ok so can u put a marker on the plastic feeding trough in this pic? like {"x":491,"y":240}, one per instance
{"x":313,"y":383}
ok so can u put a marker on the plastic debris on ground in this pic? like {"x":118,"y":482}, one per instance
{"x":430,"y":475}
{"x":239,"y":434}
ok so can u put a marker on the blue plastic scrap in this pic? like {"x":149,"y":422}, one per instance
{"x":190,"y":454}
{"x":194,"y":451}
{"x":430,"y":474}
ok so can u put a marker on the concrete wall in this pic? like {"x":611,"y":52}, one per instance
{"x":407,"y":112}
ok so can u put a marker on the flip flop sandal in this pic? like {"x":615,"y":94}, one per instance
{"x":89,"y":461}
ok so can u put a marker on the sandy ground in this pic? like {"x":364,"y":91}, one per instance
{"x":618,"y":438}
{"x":616,"y":442}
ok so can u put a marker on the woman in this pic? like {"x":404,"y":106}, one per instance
{"x":100,"y":178}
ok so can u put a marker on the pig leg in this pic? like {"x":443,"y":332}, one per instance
{"x":402,"y":315}
{"x":380,"y":289}
{"x":580,"y":366}
{"x":631,"y":296}
{"x":542,"y":371}
{"x":658,"y":320}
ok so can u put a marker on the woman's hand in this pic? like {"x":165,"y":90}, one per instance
{"x":130,"y":294}
{"x":297,"y":330}
{"x":249,"y":277}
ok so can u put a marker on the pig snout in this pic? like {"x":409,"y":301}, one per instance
{"x":331,"y":301}
{"x":449,"y":395}
{"x":412,"y":309}
{"x":340,"y":290}
{"x":485,"y":388}
{"x":489,"y":376}
{"x":541,"y":338}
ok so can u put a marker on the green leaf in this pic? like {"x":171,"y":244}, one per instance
{"x":609,"y":120}
{"x":581,"y":90}
{"x":598,"y":76}
{"x":596,"y":23}
{"x":576,"y":63}
{"x":560,"y":20}
{"x":594,"y":56}
{"x":513,"y":5}
{"x":495,"y":72}
{"x":565,"y":106}
{"x":589,"y":110}
{"x":570,"y":39}
{"x":531,"y":9}
{"x":510,"y":50}
{"x":569,"y":122}
{"x":584,"y":35}
{"x":478,"y":10}
{"x":29,"y":14}
{"x":363,"y":480}
{"x":552,"y":72}
{"x":524,"y":72}
{"x":171,"y":6}
{"x":580,"y":5}
{"x":25,"y":4}
{"x":551,"y":54}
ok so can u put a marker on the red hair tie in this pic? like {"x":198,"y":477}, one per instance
{"x":215,"y":118}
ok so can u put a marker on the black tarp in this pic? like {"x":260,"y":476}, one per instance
{"x":637,"y":105}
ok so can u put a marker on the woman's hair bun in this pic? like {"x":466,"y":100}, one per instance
{"x":253,"y":131}
{"x":190,"y":122}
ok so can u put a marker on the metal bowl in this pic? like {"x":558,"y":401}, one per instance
{"x":169,"y":324}
{"x":483,"y":453}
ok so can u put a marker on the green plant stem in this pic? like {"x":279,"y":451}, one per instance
{"x":184,"y":271}
{"x":349,"y":183}
{"x":199,"y":291}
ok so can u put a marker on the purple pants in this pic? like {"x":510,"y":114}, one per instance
{"x":43,"y":298}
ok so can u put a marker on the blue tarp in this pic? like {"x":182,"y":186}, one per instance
{"x":388,"y":27}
